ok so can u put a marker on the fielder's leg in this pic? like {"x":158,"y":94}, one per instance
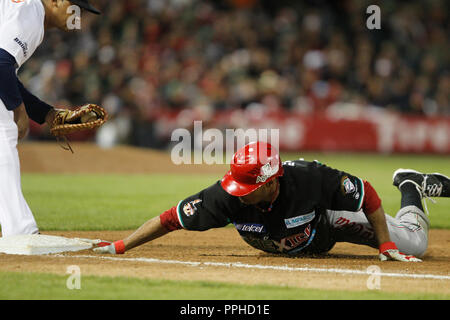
{"x":15,"y":215}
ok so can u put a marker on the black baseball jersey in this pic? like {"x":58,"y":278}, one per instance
{"x":296,"y":223}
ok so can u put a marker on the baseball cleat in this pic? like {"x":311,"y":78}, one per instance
{"x":427,"y":184}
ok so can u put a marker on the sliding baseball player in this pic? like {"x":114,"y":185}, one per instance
{"x":300,"y":207}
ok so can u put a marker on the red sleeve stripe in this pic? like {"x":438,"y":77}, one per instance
{"x":371,"y":200}
{"x":169,"y":219}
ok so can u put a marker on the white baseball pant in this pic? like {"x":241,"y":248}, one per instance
{"x":408,"y":230}
{"x":15,"y":214}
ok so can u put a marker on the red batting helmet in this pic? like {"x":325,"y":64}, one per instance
{"x":251,"y":167}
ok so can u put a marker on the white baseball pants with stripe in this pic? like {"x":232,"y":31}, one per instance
{"x":15,"y":214}
{"x":408,"y":230}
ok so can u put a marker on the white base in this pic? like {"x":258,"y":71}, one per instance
{"x":38,"y":244}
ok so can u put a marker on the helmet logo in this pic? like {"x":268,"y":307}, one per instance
{"x":266,"y":172}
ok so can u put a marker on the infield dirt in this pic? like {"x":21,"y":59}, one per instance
{"x":204,"y":247}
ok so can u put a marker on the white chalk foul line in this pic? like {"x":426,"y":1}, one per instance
{"x":264,"y":267}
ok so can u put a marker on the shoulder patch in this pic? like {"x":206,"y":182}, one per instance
{"x":190,"y":208}
{"x":347,"y":185}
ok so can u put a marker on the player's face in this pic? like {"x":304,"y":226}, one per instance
{"x":62,"y":15}
{"x":264,"y":193}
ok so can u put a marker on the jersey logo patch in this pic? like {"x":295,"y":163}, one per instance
{"x":347,"y":185}
{"x":190,"y":208}
{"x":299,"y":220}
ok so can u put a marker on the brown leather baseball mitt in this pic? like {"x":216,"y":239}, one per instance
{"x":87,"y":117}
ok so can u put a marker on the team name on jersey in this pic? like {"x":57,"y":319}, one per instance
{"x":297,"y":239}
{"x":294,"y":241}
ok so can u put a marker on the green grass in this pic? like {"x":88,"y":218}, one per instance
{"x":104,"y":202}
{"x":39,"y":286}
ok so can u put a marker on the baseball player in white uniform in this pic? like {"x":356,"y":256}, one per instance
{"x":22,"y":27}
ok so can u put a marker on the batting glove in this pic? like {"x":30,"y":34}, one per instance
{"x":389,"y":251}
{"x":117,"y":247}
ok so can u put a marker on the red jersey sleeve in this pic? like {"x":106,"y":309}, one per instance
{"x":169,"y":219}
{"x":371,"y":201}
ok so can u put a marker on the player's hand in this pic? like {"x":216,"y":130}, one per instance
{"x":389,"y":251}
{"x":22,"y":121}
{"x":95,"y":242}
{"x":50,"y":117}
{"x":117,"y":247}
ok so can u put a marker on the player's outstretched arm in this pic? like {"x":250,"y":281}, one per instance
{"x":194,"y":213}
{"x":150,"y":230}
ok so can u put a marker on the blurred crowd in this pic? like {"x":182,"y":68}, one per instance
{"x":143,"y":57}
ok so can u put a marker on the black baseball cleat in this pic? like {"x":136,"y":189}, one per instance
{"x":427,"y":184}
